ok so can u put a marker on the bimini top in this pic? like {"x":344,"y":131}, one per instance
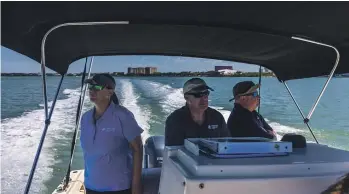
{"x":251,"y":32}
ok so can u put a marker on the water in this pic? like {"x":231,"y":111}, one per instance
{"x":151,"y":100}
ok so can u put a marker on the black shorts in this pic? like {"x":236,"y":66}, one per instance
{"x":128,"y":191}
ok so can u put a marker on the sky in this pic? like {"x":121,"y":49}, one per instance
{"x":13,"y":62}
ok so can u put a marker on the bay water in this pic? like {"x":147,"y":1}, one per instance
{"x":151,"y":99}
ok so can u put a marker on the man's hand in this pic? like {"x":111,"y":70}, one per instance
{"x":272,"y":132}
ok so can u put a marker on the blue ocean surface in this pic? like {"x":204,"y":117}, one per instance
{"x":151,"y":99}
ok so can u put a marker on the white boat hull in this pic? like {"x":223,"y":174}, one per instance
{"x":309,"y":170}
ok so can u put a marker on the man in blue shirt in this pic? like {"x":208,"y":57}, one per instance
{"x":244,"y":121}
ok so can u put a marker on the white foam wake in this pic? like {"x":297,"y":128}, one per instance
{"x":142,"y":114}
{"x":173,"y":100}
{"x":169,"y":98}
{"x":20,"y":139}
{"x":283,"y":129}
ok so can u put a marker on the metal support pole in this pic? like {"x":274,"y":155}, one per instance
{"x":82,"y":102}
{"x":44,"y":87}
{"x":82,"y":97}
{"x":329,"y":78}
{"x":300,"y":111}
{"x":47,"y":123}
{"x":259,"y":89}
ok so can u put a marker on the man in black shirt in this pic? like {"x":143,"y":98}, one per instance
{"x":195,"y":119}
{"x":244,"y":121}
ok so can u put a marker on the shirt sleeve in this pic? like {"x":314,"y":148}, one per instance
{"x":247,"y":128}
{"x":130,"y":127}
{"x":265,"y":124}
{"x":257,"y":130}
{"x":173,"y":132}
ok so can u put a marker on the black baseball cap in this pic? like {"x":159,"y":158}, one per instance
{"x":195,"y":85}
{"x":243,"y":88}
{"x":106,"y":80}
{"x":102,"y":79}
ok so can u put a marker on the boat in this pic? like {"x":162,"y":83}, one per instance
{"x":295,"y":40}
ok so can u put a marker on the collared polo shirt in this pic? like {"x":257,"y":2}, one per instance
{"x":244,"y":123}
{"x":180,"y":126}
{"x":105,"y":144}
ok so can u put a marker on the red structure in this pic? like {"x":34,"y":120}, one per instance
{"x":217,"y":68}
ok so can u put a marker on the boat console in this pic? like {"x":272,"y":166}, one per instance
{"x":235,"y":165}
{"x":251,"y":165}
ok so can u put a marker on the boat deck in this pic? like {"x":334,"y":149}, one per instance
{"x":150,"y":176}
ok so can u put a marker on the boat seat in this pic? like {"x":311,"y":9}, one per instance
{"x":153,"y":149}
{"x":298,"y":141}
{"x":151,"y":180}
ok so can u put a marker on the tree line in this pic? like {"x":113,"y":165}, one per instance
{"x":157,"y":74}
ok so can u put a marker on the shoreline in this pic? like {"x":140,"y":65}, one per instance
{"x":222,"y":76}
{"x":167,"y":74}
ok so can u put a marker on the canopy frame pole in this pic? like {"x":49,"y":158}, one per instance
{"x":329,"y":78}
{"x":47,"y":123}
{"x":43,"y":67}
{"x":44,"y":87}
{"x":82,"y":97}
{"x":259,"y":89}
{"x":300,"y":111}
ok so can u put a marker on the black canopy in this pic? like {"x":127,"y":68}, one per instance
{"x":251,"y":32}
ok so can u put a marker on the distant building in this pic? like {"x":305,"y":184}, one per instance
{"x":141,"y":70}
{"x":137,"y":70}
{"x":227,"y":71}
{"x":217,"y":68}
{"x":151,"y":70}
{"x":130,"y":70}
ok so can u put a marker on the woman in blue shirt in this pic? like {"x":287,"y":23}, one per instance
{"x":111,"y":142}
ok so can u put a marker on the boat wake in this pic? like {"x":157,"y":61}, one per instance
{"x":20,"y":139}
{"x":130,"y":101}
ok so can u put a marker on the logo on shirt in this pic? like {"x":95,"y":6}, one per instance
{"x":212,"y":127}
{"x":108,"y":129}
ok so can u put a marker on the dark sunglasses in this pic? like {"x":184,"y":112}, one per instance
{"x":95,"y":87}
{"x":200,"y":94}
